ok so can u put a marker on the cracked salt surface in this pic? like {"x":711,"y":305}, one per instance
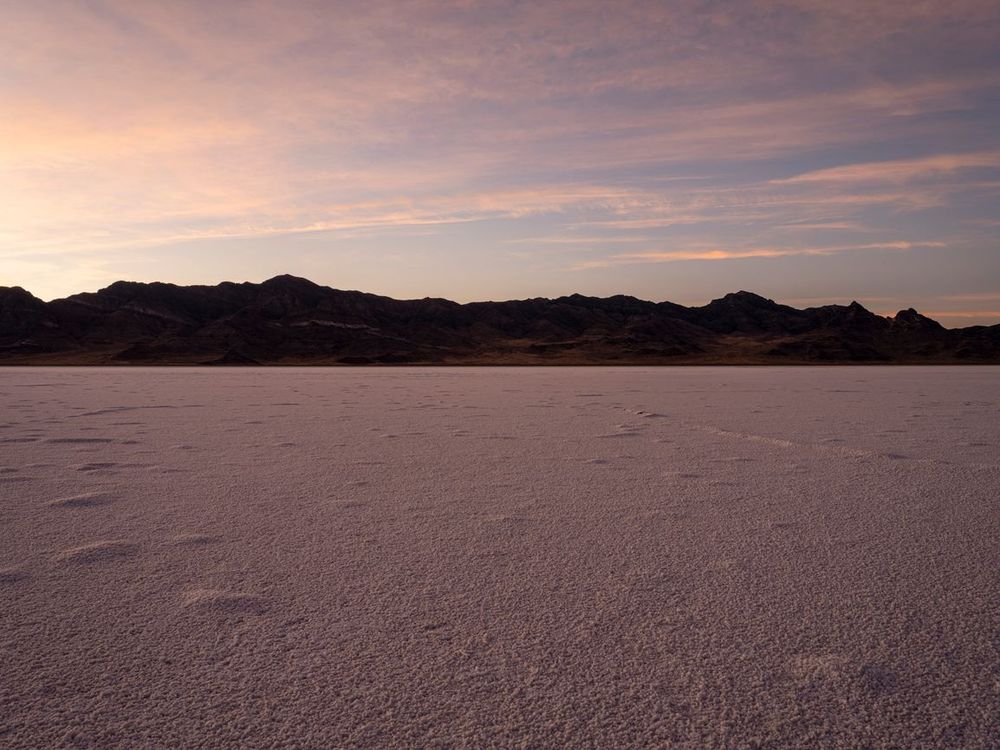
{"x":565,"y":557}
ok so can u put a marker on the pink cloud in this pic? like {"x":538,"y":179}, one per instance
{"x":717,"y":254}
{"x":901,"y":170}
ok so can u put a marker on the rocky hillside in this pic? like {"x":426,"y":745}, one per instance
{"x":289,"y":320}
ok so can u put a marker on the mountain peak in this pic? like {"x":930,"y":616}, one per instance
{"x":121,"y":286}
{"x":16,"y":292}
{"x":743,"y":298}
{"x":288,"y":280}
{"x":911,"y":319}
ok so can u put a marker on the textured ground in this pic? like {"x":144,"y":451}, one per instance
{"x":697,"y":557}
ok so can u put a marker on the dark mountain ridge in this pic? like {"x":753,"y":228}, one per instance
{"x":290,"y":320}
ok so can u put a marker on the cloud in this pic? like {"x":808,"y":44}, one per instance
{"x":388,"y":214}
{"x":805,"y":226}
{"x":576,"y":240}
{"x":717,"y":254}
{"x":962,"y":314}
{"x":972,"y":297}
{"x":901,"y":170}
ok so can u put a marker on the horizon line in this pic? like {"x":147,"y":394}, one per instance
{"x":957,"y":314}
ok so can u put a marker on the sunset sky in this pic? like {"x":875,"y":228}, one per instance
{"x":808,"y":150}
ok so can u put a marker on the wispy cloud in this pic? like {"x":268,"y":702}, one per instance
{"x":901,"y":170}
{"x":963,"y":314}
{"x":576,"y":240}
{"x":743,"y":253}
{"x":807,"y":226}
{"x":972,"y":297}
{"x":388,"y":214}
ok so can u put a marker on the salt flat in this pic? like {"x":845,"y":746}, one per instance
{"x":564,"y":557}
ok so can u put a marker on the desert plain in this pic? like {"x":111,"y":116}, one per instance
{"x":500,"y":557}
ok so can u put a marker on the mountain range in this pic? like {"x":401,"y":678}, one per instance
{"x":290,"y":320}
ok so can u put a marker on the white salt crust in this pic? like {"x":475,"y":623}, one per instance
{"x":500,"y":557}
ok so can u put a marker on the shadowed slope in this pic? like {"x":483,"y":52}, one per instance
{"x":292,"y":320}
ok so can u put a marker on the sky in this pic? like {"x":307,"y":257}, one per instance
{"x":811,"y":151}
